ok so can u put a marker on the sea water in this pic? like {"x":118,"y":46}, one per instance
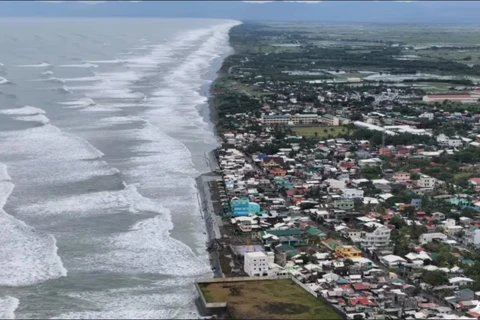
{"x":103,"y":129}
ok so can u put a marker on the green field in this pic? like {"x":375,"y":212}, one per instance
{"x":267,"y":299}
{"x":319,"y":132}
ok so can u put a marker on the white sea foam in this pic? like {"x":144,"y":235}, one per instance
{"x":47,"y":73}
{"x":27,"y":257}
{"x":81,"y":79}
{"x":114,"y":61}
{"x":3,"y":80}
{"x":138,"y":303}
{"x":84,"y":102}
{"x":8,"y":305}
{"x":40,"y":65}
{"x":35,"y":118}
{"x":83,"y":65}
{"x":24,"y":111}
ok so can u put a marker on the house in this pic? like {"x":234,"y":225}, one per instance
{"x":460,"y":281}
{"x":369,"y":162}
{"x":475,"y":182}
{"x":429,"y":237}
{"x":392,"y":260}
{"x":242,"y":207}
{"x":347,"y":252}
{"x":401,"y":176}
{"x":352,"y":193}
{"x":277,"y":172}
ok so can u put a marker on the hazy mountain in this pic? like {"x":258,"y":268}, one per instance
{"x":341,"y":11}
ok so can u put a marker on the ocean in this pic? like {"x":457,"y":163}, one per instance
{"x":104,"y":125}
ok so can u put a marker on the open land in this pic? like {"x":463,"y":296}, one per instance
{"x":268,"y":299}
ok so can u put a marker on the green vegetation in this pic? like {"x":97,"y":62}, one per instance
{"x":320,"y":132}
{"x":267,"y":299}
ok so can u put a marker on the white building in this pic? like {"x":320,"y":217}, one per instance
{"x":446,"y":141}
{"x":305,"y":118}
{"x":392,"y":260}
{"x":352,"y":193}
{"x":256,"y":264}
{"x":276,"y":119}
{"x":426,"y":181}
{"x":428,"y":115}
{"x":330,"y":120}
{"x":429,"y":237}
{"x":376,"y":239}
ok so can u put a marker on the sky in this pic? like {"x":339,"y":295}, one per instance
{"x":452,"y":12}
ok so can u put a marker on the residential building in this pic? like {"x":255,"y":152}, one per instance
{"x":344,"y":204}
{"x":379,"y":238}
{"x":426,"y":181}
{"x":429,"y":237}
{"x":256,"y":264}
{"x":401,"y":176}
{"x":392,"y":260}
{"x":352,"y":193}
{"x":242,"y":207}
{"x":428,"y":115}
{"x":347,"y":252}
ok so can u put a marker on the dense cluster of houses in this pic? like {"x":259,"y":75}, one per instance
{"x":298,"y":211}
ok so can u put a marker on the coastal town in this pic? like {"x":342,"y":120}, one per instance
{"x":362,"y":186}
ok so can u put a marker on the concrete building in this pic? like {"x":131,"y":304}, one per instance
{"x":330,"y":120}
{"x":305,"y":118}
{"x":392,"y":260}
{"x":426,"y":181}
{"x":275,"y":119}
{"x":256,"y":264}
{"x":429,"y":237}
{"x":352,"y":193}
{"x":347,"y":252}
{"x":379,"y":238}
{"x":463,"y":98}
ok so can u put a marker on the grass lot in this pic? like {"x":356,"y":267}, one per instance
{"x":322,"y":132}
{"x":267,"y":299}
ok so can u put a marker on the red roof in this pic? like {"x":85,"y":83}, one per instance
{"x":476,"y":180}
{"x":362,"y":300}
{"x":449,"y":96}
{"x":345,"y":286}
{"x":361,"y":286}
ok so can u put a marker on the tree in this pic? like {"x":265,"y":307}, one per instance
{"x":435,"y":278}
{"x":414,"y":176}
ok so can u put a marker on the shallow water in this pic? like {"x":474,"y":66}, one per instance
{"x":103,"y":128}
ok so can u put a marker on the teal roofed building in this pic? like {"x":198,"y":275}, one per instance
{"x":242,"y":207}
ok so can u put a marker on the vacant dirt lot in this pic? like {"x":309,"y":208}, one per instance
{"x":267,"y":299}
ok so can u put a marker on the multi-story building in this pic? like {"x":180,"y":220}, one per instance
{"x":426,"y":181}
{"x":401,"y":176}
{"x":330,"y":120}
{"x":275,"y":119}
{"x":352,"y":193}
{"x":305,"y":118}
{"x":378,"y":238}
{"x":344,"y":204}
{"x":256,"y":263}
{"x":347,"y":252}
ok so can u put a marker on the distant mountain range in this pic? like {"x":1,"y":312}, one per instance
{"x":454,"y":12}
